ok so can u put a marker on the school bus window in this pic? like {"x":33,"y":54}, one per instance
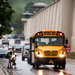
{"x":37,"y":41}
{"x":57,"y":41}
{"x":50,"y":41}
{"x":53,"y":39}
{"x":45,"y":40}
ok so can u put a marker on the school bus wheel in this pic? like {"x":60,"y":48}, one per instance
{"x":37,"y":66}
{"x":33,"y":65}
{"x":63,"y":66}
{"x":23,"y":58}
{"x":55,"y":66}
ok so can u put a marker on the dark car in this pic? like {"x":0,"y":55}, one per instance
{"x":5,"y":42}
{"x":25,"y":51}
{"x":17,"y":41}
{"x":14,"y":37}
{"x":22,"y":38}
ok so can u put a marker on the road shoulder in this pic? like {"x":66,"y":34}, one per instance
{"x":70,"y":60}
{"x":3,"y":71}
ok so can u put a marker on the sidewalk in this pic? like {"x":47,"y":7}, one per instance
{"x":3,"y":70}
{"x":70,"y":60}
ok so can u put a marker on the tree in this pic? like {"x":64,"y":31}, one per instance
{"x":5,"y":17}
{"x":29,"y":7}
{"x":16,"y":22}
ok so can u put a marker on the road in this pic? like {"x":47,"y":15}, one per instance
{"x":23,"y":68}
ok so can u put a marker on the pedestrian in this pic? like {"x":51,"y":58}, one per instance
{"x":14,"y":61}
{"x":9,"y":56}
{"x":13,"y":50}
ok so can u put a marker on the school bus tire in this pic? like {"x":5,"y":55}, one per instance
{"x":63,"y":66}
{"x":28,"y":60}
{"x":64,"y":63}
{"x":37,"y":66}
{"x":33,"y":65}
{"x":23,"y":58}
{"x":55,"y":66}
{"x":59,"y":66}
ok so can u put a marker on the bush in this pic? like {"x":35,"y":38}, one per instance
{"x":71,"y":55}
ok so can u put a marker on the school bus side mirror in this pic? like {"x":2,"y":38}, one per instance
{"x":66,"y":41}
{"x":33,"y":40}
{"x":36,"y":46}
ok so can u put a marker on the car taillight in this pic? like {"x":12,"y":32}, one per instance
{"x":27,"y":43}
{"x":15,"y":41}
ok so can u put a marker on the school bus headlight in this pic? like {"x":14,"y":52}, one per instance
{"x":39,"y":54}
{"x":61,"y":55}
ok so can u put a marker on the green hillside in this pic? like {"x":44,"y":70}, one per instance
{"x":20,"y":4}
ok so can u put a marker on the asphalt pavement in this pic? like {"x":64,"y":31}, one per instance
{"x":1,"y":70}
{"x":23,"y":68}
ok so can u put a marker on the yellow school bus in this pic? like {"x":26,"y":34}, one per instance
{"x":48,"y":47}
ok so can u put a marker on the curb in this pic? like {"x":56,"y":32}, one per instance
{"x":5,"y":71}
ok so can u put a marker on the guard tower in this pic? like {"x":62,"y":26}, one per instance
{"x":38,"y":6}
{"x":26,"y":16}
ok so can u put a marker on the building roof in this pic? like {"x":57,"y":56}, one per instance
{"x":27,"y":13}
{"x":40,"y":4}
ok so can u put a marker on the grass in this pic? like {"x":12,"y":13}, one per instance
{"x":71,"y":55}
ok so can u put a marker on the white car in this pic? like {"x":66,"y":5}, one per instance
{"x":3,"y":51}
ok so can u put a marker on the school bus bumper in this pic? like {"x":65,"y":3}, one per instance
{"x":47,"y":61}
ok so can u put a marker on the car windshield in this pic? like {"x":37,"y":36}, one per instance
{"x":18,"y":46}
{"x":1,"y":46}
{"x":27,"y":47}
{"x":50,"y":41}
{"x":17,"y":40}
{"x":5,"y":40}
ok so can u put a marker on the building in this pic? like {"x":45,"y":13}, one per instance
{"x":59,"y":15}
{"x":24,"y":18}
{"x":38,"y":6}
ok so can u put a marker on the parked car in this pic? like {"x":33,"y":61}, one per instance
{"x":25,"y":51}
{"x":18,"y":48}
{"x":5,"y":42}
{"x":3,"y":51}
{"x":17,"y":41}
{"x":14,"y":37}
{"x":10,"y":47}
{"x":22,"y":38}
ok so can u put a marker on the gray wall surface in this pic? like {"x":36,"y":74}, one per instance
{"x":60,"y":15}
{"x":73,"y":31}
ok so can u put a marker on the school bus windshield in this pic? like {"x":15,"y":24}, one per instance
{"x":50,"y":41}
